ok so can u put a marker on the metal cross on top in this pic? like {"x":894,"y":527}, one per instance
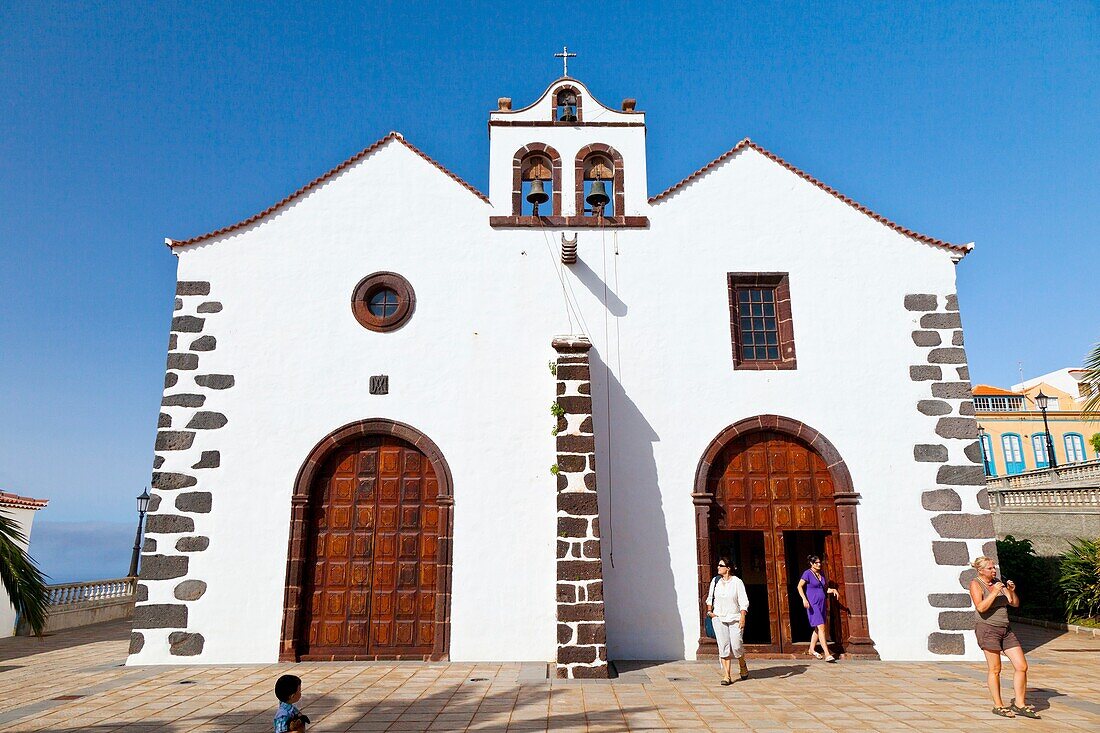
{"x":565,"y":56}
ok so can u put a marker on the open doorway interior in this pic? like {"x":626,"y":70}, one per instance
{"x":746,"y":551}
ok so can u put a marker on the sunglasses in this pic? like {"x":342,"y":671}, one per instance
{"x":722,"y":565}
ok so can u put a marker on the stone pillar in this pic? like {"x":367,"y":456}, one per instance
{"x":582,"y":641}
{"x":859,"y":641}
{"x":708,"y":647}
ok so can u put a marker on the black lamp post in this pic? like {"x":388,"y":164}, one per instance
{"x":981,"y":444}
{"x":143,"y":506}
{"x":1041,"y":400}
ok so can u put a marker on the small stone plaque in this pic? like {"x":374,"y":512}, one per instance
{"x":380,"y":384}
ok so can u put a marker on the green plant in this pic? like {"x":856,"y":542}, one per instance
{"x":554,"y":469}
{"x":1037,"y":577}
{"x":1079,"y":579}
{"x":1091,"y":408}
{"x":556,"y":410}
{"x":554,"y":430}
{"x":21,"y":577}
{"x":553,"y":367}
{"x":1095,"y":441}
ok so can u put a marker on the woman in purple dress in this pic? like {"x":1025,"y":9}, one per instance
{"x":814,"y":589}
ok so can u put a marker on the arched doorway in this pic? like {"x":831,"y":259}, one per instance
{"x":369,"y":561}
{"x":770,"y":490}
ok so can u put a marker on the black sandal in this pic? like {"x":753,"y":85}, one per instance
{"x":1004,"y":711}
{"x":1028,"y":711}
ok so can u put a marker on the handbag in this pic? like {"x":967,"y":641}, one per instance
{"x":708,"y":622}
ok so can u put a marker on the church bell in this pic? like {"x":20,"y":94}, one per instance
{"x":568,"y":113}
{"x":597,"y":197}
{"x":537,"y":195}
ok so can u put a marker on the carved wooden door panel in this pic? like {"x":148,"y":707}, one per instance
{"x":374,"y":533}
{"x":774,"y":483}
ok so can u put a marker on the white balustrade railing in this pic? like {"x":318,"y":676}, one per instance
{"x":68,"y":594}
{"x":1072,"y":473}
{"x":1024,"y":498}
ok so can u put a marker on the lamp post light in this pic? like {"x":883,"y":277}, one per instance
{"x":143,"y":506}
{"x":981,"y":444}
{"x":1041,"y":401}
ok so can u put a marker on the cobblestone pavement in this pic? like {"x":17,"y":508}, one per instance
{"x":73,"y":681}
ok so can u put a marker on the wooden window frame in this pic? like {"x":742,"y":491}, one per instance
{"x":780,"y":283}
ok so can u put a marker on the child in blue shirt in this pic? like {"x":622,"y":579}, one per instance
{"x":288,"y":689}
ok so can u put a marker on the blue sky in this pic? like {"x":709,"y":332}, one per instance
{"x":122,"y":124}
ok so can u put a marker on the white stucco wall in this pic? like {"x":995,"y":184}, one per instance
{"x":24,"y":518}
{"x":469,"y":370}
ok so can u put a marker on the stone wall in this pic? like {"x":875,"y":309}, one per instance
{"x":958,"y":504}
{"x":180,"y":506}
{"x":582,"y":640}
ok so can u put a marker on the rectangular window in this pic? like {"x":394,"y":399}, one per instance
{"x":999,"y":404}
{"x":760,"y":320}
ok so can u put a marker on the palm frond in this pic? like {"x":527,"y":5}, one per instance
{"x":21,"y":577}
{"x":1091,"y":408}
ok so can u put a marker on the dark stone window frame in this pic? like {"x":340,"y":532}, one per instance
{"x":779,"y":282}
{"x":518,"y":161}
{"x":371,"y":284}
{"x":618,"y":177}
{"x":554,"y":106}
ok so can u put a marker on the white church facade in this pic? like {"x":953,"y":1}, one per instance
{"x":524,"y":426}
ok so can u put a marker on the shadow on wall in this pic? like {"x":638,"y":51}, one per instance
{"x":643,"y":619}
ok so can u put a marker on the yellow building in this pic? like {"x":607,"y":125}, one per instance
{"x":1010,"y":423}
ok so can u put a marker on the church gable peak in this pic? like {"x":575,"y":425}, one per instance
{"x":566,"y":102}
{"x":366,"y":152}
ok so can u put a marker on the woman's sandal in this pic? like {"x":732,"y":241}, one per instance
{"x":1004,"y":712}
{"x":831,"y":659}
{"x":726,"y":681}
{"x":1028,"y":711}
{"x":815,"y":654}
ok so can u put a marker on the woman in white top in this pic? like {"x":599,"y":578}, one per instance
{"x":727,"y":606}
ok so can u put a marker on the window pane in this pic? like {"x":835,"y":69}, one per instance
{"x":749,"y":338}
{"x":757,"y":310}
{"x":742,"y":296}
{"x":772,"y":338}
{"x":768,"y":296}
{"x":769,"y":309}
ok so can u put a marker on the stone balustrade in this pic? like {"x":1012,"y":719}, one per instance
{"x":1083,"y":473}
{"x":86,"y":603}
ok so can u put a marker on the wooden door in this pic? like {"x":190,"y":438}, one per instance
{"x":774,"y":483}
{"x":372,"y":554}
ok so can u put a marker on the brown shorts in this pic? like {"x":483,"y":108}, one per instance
{"x":995,"y":638}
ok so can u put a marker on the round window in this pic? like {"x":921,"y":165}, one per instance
{"x":383,"y":301}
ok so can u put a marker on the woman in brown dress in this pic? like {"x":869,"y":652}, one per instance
{"x":992,"y":596}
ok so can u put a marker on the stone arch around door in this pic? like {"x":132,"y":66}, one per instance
{"x":858,"y":641}
{"x":294,"y":602}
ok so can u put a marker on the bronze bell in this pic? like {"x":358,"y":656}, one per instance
{"x":568,"y":113}
{"x":537,"y":194}
{"x":597,"y":197}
